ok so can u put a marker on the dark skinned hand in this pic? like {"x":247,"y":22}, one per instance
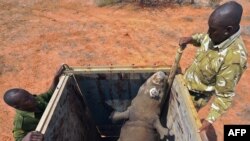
{"x":184,"y":41}
{"x":57,"y":75}
{"x":33,"y":136}
{"x":61,"y":69}
{"x":205,"y":125}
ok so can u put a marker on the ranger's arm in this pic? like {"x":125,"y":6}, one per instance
{"x":195,"y":40}
{"x":226,"y":82}
{"x":18,"y":132}
{"x":56,"y":77}
{"x":47,"y":95}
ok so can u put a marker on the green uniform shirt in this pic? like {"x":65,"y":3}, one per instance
{"x":25,"y":122}
{"x":217,"y":69}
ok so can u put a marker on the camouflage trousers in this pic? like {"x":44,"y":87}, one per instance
{"x":200,"y":99}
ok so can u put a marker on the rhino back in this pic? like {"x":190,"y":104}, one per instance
{"x":138,"y":131}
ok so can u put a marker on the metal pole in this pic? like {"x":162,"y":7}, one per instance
{"x":172,"y":76}
{"x":174,"y":68}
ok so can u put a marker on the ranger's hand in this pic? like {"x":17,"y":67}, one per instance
{"x":184,"y":41}
{"x":61,"y":69}
{"x":56,"y":77}
{"x":33,"y":136}
{"x":205,"y":125}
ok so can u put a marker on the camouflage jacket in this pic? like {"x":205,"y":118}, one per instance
{"x":217,"y":69}
{"x":25,"y":122}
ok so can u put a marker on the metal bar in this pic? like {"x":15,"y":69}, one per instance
{"x":172,"y":76}
{"x":115,"y":69}
{"x":174,"y":68}
{"x":43,"y":123}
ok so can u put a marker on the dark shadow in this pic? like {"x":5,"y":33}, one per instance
{"x":109,"y":139}
{"x":169,"y":138}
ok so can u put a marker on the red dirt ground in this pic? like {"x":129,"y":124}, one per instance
{"x":37,"y":36}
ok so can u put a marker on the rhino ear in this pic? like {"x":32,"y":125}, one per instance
{"x":153,"y":92}
{"x":158,"y":78}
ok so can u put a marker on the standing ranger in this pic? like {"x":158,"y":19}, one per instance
{"x":219,"y":62}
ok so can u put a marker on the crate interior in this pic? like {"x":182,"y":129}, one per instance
{"x":84,"y":115}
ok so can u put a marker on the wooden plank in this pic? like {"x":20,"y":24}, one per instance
{"x":183,"y":91}
{"x":186,"y":122}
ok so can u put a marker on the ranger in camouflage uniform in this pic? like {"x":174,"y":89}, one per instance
{"x":219,"y":63}
{"x":29,"y":109}
{"x":26,"y":121}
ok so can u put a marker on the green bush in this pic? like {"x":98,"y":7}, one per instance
{"x":106,"y":2}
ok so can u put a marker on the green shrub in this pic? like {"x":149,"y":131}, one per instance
{"x":106,"y":2}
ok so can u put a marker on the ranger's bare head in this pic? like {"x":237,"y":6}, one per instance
{"x":224,"y":21}
{"x":20,"y":99}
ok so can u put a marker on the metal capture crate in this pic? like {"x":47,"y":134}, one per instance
{"x":85,"y":96}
